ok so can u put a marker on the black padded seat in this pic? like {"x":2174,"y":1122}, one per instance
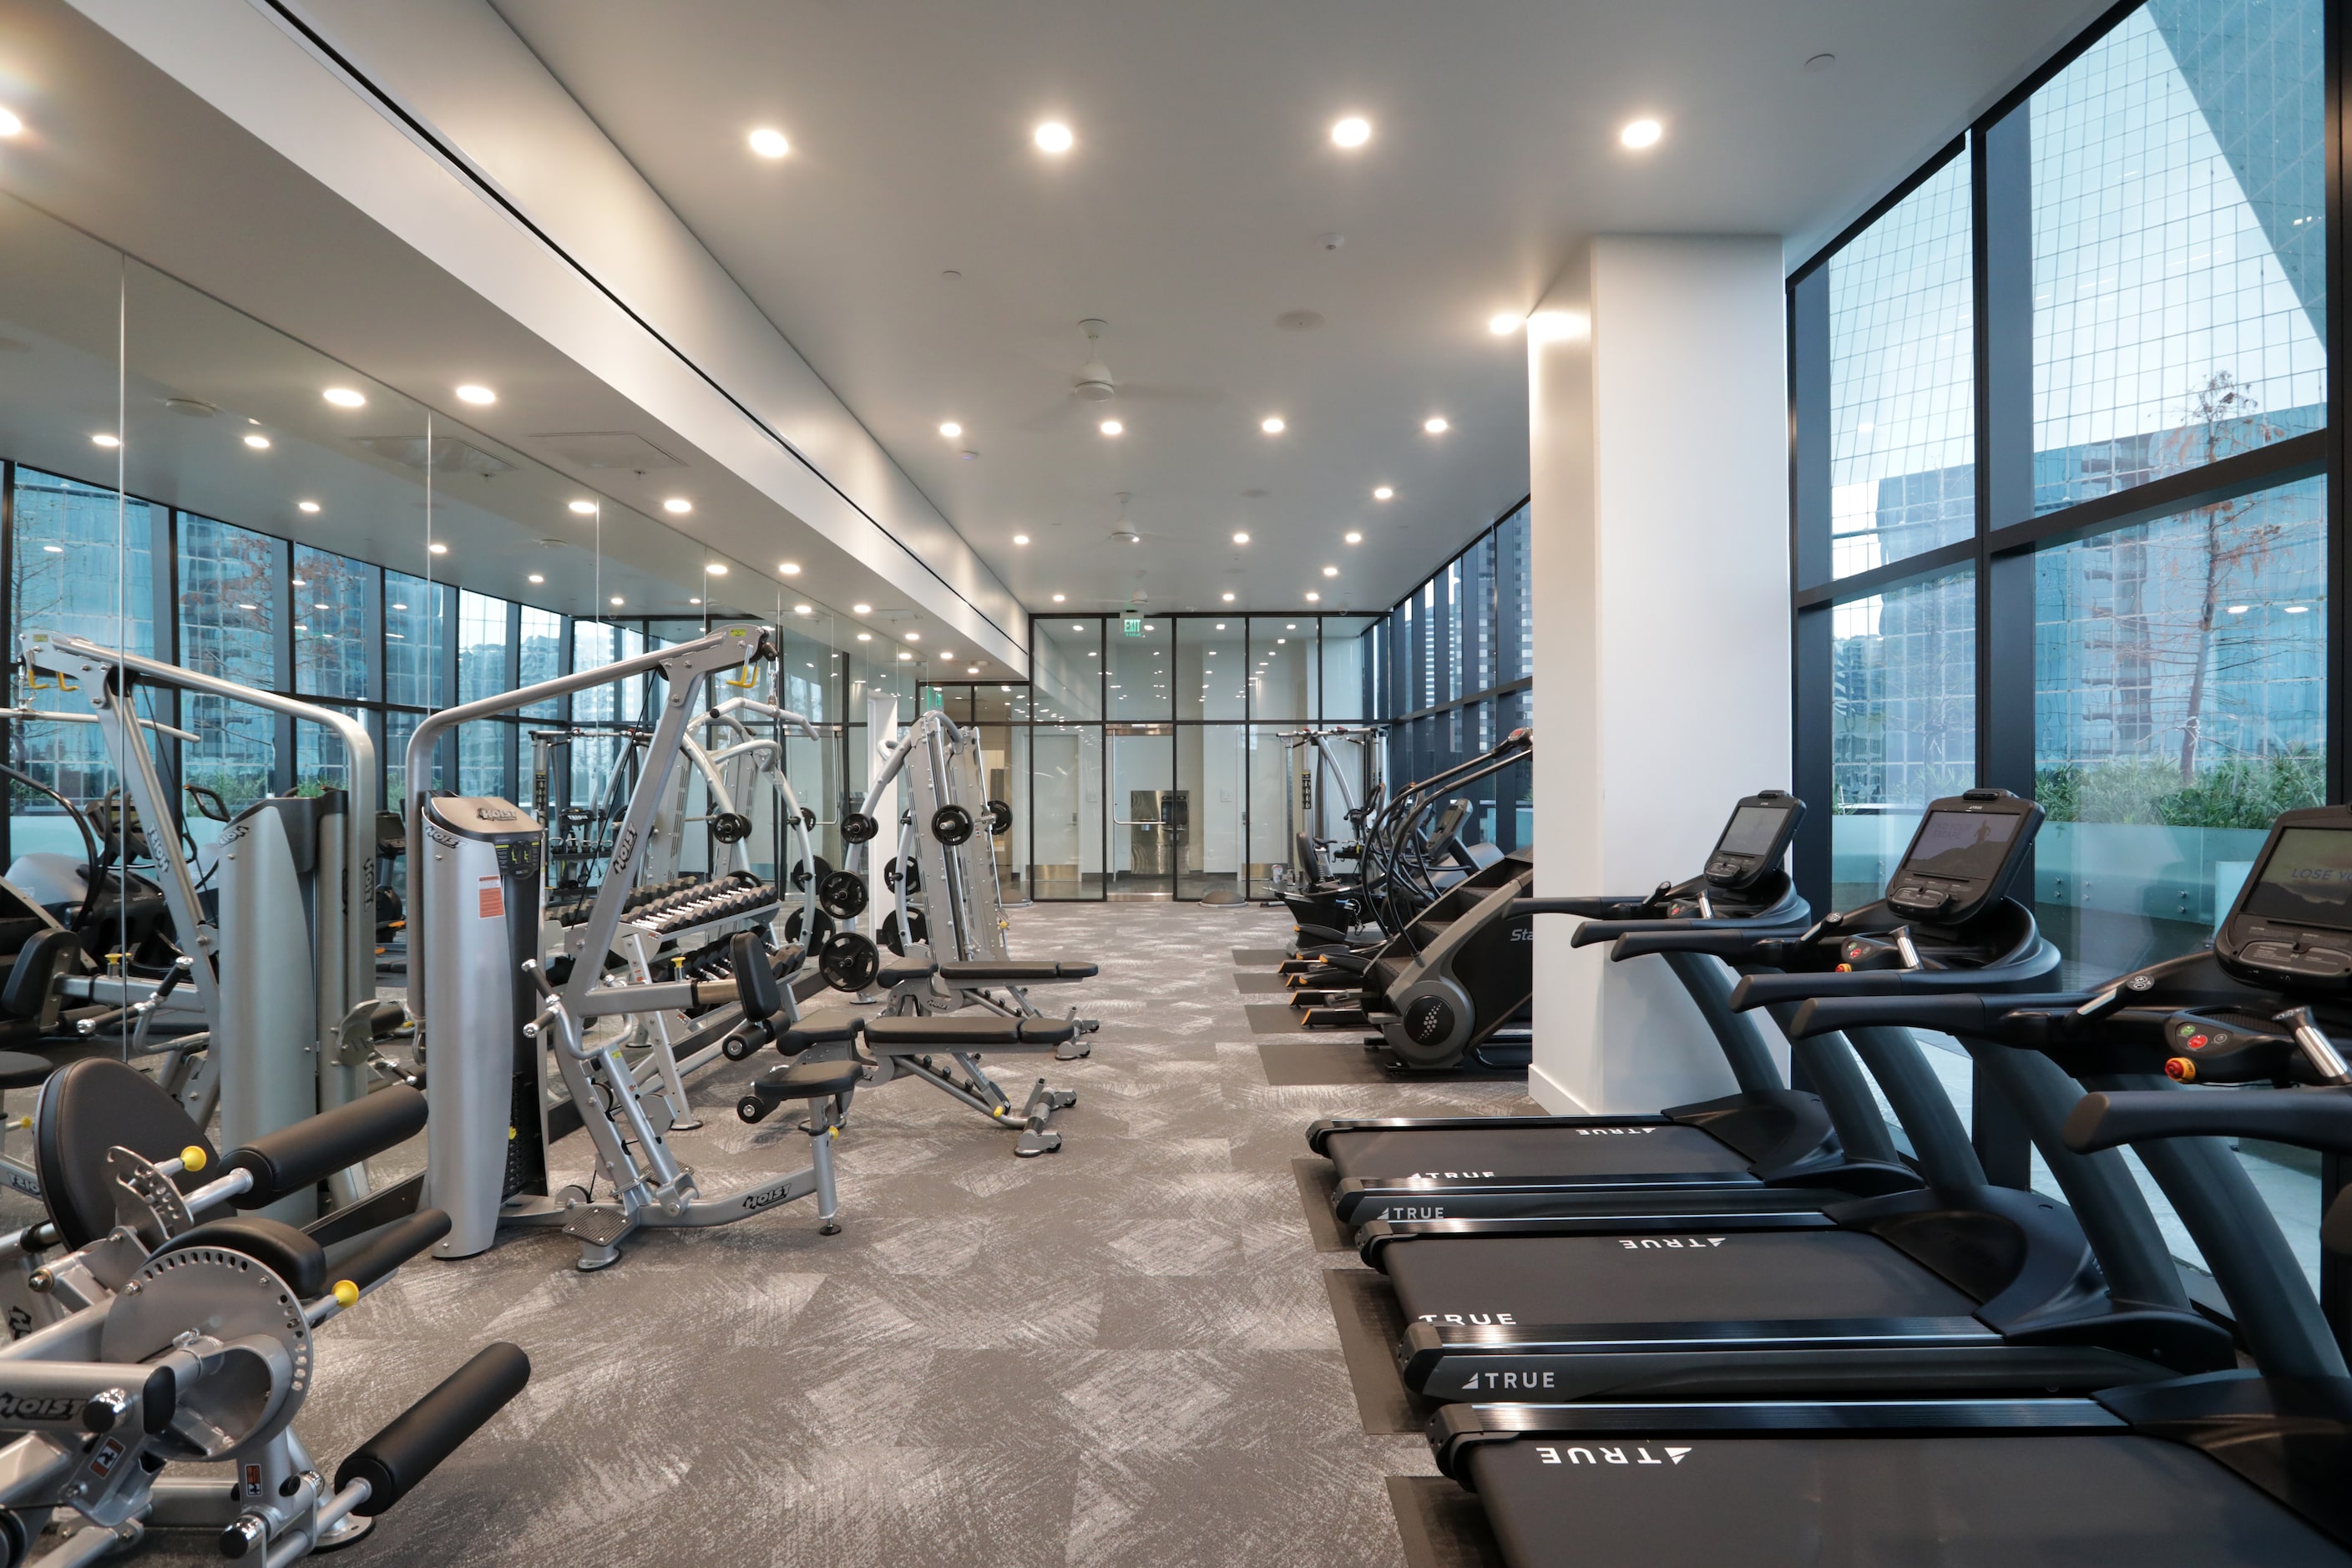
{"x":801,"y":1036}
{"x":808,"y":1081}
{"x":955,"y":1032}
{"x":278,"y":1247}
{"x":1013,"y":973}
{"x":21,"y":1070}
{"x":905,"y":972}
{"x":87,"y":1108}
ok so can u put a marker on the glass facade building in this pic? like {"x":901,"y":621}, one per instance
{"x":2066,"y":519}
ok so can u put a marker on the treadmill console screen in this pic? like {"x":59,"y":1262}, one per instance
{"x":1961,"y":860}
{"x":1754,"y":840}
{"x":2293,"y":919}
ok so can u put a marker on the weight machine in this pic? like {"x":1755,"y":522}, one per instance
{"x":1312,"y":851}
{"x":494,"y":1019}
{"x":285,"y":977}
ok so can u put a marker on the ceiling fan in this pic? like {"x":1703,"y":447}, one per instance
{"x":1095,"y":384}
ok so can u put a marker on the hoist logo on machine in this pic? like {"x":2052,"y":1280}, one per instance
{"x":1600,"y":1456}
{"x":37,"y":1407}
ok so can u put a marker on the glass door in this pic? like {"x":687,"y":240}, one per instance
{"x":1150,"y":820}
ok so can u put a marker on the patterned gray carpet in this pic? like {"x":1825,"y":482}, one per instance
{"x":1120,"y":1354}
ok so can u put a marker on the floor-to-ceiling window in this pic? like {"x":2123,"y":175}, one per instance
{"x":2065,"y":487}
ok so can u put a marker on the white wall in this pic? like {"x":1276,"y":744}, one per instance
{"x":1657,"y":434}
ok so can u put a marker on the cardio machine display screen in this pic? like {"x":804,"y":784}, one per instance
{"x":2307,"y":881}
{"x":1964,"y":846}
{"x":1753,"y":828}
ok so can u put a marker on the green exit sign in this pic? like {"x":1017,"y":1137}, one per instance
{"x":1132,"y":626}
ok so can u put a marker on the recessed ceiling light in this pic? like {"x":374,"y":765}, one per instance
{"x":1053,"y":137}
{"x":308,"y":506}
{"x":1314,"y":598}
{"x":1229,"y":598}
{"x":584,"y":508}
{"x":473,"y":391}
{"x":1272,"y":424}
{"x":866,"y":637}
{"x":10,"y":124}
{"x":1352,"y":132}
{"x":345,"y":398}
{"x":258,"y":442}
{"x":904,"y":655}
{"x":102,"y":440}
{"x":437,"y":548}
{"x":715,"y":568}
{"x":678,"y":506}
{"x":2240,"y":609}
{"x":1330,"y":571}
{"x":694,"y":601}
{"x":1077,"y":627}
{"x":805,"y":609}
{"x":914,"y":636}
{"x":1642,"y":134}
{"x":1383,"y":492}
{"x":789,"y":568}
{"x":768,"y":143}
{"x":618,"y":600}
{"x":861,"y":609}
{"x":535,"y":577}
{"x":1112,"y":427}
{"x":1436,"y":425}
{"x":1503,"y":323}
{"x":950,"y":429}
{"x":1059,"y":597}
{"x":1241,"y":539}
{"x":974,"y":670}
{"x":1353,"y":538}
{"x":1290,"y":626}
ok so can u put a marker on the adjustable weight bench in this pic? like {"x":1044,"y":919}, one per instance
{"x":920,"y":984}
{"x":902,"y":1045}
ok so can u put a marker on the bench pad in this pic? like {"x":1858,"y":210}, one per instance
{"x":906,"y":1035}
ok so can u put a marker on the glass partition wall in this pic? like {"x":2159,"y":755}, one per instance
{"x":2066,"y":488}
{"x":183,"y":481}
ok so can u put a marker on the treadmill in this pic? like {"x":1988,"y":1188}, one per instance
{"x":2251,"y":1466}
{"x":1763,"y":1150}
{"x":1958,"y":1284}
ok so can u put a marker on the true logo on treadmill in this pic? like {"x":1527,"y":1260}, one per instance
{"x":1618,"y":1456}
{"x":1470,"y":1320}
{"x":1612,"y":1131}
{"x":1444,"y":1175}
{"x":1508,"y":1382}
{"x":1670,"y":1243}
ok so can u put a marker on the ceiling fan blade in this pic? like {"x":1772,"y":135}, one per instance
{"x":1153,"y":391}
{"x":1054,"y":416}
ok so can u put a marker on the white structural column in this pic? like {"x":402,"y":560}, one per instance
{"x":1658,"y":445}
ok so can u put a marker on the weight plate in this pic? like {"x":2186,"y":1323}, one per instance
{"x":890,"y":874}
{"x":951,"y":825}
{"x":999,"y":817}
{"x":848,"y":961}
{"x":859,"y":828}
{"x":888,"y":934}
{"x":800,"y":877}
{"x":808,"y":819}
{"x":730,"y":827}
{"x":842,"y":894}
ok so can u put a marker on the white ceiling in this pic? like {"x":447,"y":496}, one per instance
{"x":1190,"y":216}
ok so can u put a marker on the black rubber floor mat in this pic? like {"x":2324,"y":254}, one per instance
{"x":1442,"y":1524}
{"x":1256,"y":983}
{"x":1370,"y":1324}
{"x":1259,"y":955}
{"x":1344,"y":1059}
{"x":1275,"y":1018}
{"x":1316,"y":1181}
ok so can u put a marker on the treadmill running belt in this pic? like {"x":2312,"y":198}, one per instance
{"x":1843,"y":1503}
{"x":1757,"y":1276}
{"x":1661,"y":1148}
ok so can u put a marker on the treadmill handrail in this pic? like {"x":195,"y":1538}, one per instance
{"x":1594,"y":931}
{"x":1766,"y":990}
{"x":2319,"y":1119}
{"x":1967,"y":1013}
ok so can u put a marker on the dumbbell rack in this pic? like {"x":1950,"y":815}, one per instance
{"x":693,"y":927}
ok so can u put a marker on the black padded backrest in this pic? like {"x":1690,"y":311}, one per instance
{"x":278,"y":1247}
{"x":28,"y":993}
{"x":87,"y":1108}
